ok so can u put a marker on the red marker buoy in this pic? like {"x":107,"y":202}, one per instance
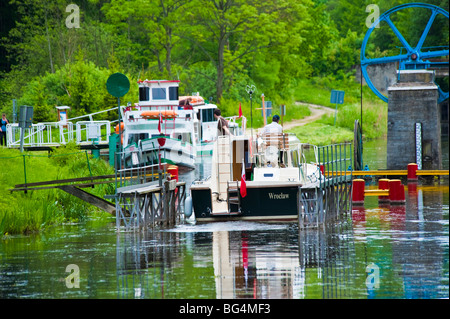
{"x":412,"y":171}
{"x":383,"y":183}
{"x":396,"y":192}
{"x":358,"y":192}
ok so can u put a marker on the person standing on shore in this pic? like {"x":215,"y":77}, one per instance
{"x":3,"y":123}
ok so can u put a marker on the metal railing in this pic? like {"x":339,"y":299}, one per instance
{"x":128,"y":174}
{"x":58,"y":133}
{"x":89,"y":132}
{"x":335,"y":160}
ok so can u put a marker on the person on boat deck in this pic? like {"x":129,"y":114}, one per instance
{"x":3,"y":123}
{"x":273,"y":127}
{"x":222,"y":126}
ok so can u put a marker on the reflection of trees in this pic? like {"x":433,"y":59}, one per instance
{"x":160,"y":264}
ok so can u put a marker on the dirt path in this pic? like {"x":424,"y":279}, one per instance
{"x":316,"y":112}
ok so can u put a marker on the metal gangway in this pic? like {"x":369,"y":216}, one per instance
{"x":53,"y":134}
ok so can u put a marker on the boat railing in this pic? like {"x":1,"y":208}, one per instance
{"x":279,"y":140}
{"x":135,"y":115}
{"x":281,"y":143}
{"x":234,"y":125}
{"x":40,"y":134}
{"x":307,"y":160}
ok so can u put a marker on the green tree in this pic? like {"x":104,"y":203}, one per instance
{"x":145,"y":31}
{"x":231,"y":34}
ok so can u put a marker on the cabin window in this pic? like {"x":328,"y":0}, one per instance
{"x":184,"y":137}
{"x":295,"y":158}
{"x":159,"y":93}
{"x":187,"y":138}
{"x":144,"y":94}
{"x":208,"y":115}
{"x":173,"y":93}
{"x":134,"y":138}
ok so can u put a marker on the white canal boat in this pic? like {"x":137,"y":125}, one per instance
{"x":157,"y":129}
{"x":176,"y":129}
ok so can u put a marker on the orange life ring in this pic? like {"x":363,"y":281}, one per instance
{"x":167,"y":114}
{"x":116,"y":130}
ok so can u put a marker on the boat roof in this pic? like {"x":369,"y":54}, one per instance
{"x":158,"y":81}
{"x":206,"y":106}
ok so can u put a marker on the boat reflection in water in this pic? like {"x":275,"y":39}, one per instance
{"x":264,"y":261}
{"x":382,"y":252}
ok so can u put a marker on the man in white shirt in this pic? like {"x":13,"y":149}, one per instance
{"x":273,"y":127}
{"x":271,"y":133}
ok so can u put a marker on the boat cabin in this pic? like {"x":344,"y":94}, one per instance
{"x":158,"y":92}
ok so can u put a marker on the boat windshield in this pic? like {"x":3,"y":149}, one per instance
{"x":207,"y":115}
{"x":134,"y":138}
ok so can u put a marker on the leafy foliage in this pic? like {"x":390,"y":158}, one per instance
{"x":35,"y":210}
{"x":215,"y":47}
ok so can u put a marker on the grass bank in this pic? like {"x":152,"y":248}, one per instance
{"x":22,"y":213}
{"x":318,"y":91}
{"x":230,"y":107}
{"x":323,"y":131}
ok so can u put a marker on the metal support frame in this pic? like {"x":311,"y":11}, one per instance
{"x":145,"y":197}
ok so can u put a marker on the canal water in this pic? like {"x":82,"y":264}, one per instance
{"x":377,"y":252}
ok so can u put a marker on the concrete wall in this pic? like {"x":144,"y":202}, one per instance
{"x":382,"y":75}
{"x":413,"y":99}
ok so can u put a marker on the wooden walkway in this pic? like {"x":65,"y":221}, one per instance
{"x":82,"y":182}
{"x":72,"y":186}
{"x":90,"y":181}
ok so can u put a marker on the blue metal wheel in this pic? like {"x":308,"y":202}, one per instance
{"x":415,"y":57}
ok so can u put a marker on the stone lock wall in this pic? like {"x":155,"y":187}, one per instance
{"x":413,"y":99}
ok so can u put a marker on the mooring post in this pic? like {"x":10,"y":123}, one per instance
{"x":383,"y":183}
{"x":396,"y":192}
{"x":412,"y":171}
{"x":358,"y":192}
{"x":166,"y":196}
